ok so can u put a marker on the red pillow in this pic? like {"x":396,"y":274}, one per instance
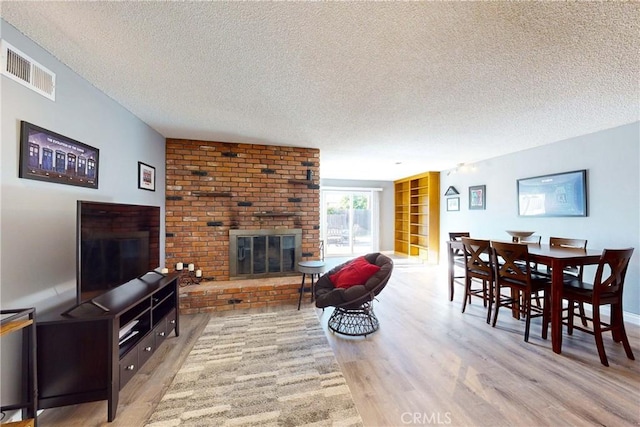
{"x":357,"y":272}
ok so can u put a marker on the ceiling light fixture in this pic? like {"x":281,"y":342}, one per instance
{"x":462,"y":167}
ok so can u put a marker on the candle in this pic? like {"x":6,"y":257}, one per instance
{"x":198,"y":273}
{"x":192,"y":267}
{"x":165,"y":271}
{"x":179,"y":266}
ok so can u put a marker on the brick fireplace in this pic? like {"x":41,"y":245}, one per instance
{"x":213,"y":188}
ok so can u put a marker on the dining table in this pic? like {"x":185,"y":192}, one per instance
{"x":557,"y":258}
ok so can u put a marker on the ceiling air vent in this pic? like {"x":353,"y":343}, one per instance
{"x":24,"y":70}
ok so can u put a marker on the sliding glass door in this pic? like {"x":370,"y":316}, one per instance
{"x":349,"y":221}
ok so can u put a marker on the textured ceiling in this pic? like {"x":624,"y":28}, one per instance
{"x":371,"y":84}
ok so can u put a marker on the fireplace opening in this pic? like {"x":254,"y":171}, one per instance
{"x":264,"y":253}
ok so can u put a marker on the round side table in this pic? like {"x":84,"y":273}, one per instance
{"x":312,"y":268}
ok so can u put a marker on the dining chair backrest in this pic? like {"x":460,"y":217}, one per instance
{"x":511,"y":262}
{"x":567,"y":243}
{"x":477,"y":255}
{"x":534,"y":238}
{"x":457,"y":236}
{"x":610,"y":274}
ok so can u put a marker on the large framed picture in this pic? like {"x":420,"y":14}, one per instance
{"x":49,"y":156}
{"x":560,"y":194}
{"x":146,"y":177}
{"x":478,"y":197}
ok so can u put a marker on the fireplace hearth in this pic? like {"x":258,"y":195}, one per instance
{"x":264,"y":252}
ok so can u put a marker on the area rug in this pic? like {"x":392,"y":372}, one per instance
{"x":259,"y":369}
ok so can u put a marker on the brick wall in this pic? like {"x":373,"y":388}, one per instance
{"x":213,"y":186}
{"x":210,"y":297}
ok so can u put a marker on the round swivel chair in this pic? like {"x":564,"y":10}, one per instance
{"x":353,"y":314}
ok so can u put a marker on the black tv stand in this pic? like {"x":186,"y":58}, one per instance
{"x":89,"y":352}
{"x":97,"y":304}
{"x":85,"y":308}
{"x":142,"y":277}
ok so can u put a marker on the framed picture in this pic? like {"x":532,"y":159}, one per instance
{"x":477,"y":197}
{"x":146,"y":177}
{"x":560,"y":194}
{"x":49,"y":156}
{"x":453,"y":204}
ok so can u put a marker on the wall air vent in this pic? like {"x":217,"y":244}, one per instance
{"x":24,"y":70}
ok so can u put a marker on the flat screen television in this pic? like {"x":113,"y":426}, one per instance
{"x":115,"y":244}
{"x":560,"y":194}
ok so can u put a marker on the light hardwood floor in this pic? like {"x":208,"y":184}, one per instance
{"x":430,"y":364}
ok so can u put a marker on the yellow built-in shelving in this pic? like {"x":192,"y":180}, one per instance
{"x":417,"y":216}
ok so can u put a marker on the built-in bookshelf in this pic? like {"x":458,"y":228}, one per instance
{"x":417,"y":216}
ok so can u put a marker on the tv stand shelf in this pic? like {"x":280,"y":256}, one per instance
{"x":24,"y":321}
{"x":90,"y":354}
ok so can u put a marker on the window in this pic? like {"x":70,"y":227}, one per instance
{"x":349,"y":221}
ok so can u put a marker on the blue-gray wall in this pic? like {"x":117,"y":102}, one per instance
{"x":37,"y":219}
{"x":612,"y":160}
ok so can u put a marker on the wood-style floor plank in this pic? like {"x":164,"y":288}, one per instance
{"x":431,"y":364}
{"x":429,"y":360}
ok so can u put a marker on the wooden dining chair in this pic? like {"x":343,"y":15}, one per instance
{"x":606,"y":289}
{"x":512,"y":270}
{"x":478,"y":268}
{"x":571,"y":274}
{"x":534,"y":238}
{"x":458,"y":255}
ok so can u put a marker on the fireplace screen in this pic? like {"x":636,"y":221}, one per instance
{"x":260,"y":253}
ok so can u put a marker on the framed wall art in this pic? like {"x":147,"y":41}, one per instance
{"x":451,"y":191}
{"x":49,"y":156}
{"x":146,"y":177}
{"x":453,"y":204}
{"x":560,"y":194}
{"x":477,"y":197}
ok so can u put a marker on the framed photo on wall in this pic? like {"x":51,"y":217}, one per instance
{"x":146,"y":177}
{"x":453,"y":204}
{"x":49,"y":156}
{"x":477,"y":197}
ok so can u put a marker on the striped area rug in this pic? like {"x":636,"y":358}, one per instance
{"x":259,"y":369}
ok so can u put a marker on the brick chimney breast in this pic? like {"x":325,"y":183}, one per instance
{"x":256,"y":178}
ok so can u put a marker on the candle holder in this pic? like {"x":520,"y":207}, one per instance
{"x":188,"y":278}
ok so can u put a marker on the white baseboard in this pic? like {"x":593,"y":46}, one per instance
{"x":632,"y":318}
{"x":629,"y":317}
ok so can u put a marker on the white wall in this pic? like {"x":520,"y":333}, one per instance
{"x":612,"y":160}
{"x":37,"y":219}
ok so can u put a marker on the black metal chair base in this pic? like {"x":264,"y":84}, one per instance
{"x":355,"y":322}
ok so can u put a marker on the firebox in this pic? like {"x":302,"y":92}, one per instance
{"x":264,"y":253}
